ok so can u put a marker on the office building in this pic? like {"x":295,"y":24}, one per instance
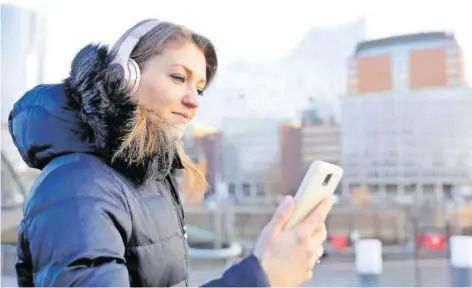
{"x":23,"y":44}
{"x":405,"y":120}
{"x":251,"y":159}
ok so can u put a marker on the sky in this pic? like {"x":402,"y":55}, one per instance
{"x":254,"y":30}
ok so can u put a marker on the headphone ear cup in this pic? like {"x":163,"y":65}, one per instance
{"x":134,"y":77}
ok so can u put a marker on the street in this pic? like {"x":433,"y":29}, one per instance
{"x":433,"y":273}
{"x":330,"y":273}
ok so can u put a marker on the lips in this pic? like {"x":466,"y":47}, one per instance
{"x":183,"y":114}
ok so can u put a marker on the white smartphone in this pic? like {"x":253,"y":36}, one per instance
{"x":320,"y":180}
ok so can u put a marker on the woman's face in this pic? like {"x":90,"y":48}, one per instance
{"x":172,"y":83}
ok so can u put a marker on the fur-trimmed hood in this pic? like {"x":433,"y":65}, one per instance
{"x":86,"y":114}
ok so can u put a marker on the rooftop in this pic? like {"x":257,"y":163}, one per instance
{"x":404,"y":39}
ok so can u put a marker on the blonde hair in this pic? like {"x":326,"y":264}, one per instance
{"x":142,"y":134}
{"x":148,"y":135}
{"x":194,"y":179}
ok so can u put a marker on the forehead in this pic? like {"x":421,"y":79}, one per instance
{"x":187,"y":54}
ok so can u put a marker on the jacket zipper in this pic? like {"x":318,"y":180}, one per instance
{"x":183,"y":222}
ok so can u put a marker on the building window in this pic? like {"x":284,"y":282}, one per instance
{"x":231,"y":189}
{"x":246,"y":189}
{"x":261,"y":190}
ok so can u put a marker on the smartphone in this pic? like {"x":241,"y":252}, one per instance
{"x":321,"y":180}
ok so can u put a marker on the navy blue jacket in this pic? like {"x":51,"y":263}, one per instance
{"x":87,"y":222}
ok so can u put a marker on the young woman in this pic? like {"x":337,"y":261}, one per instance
{"x":105,"y":210}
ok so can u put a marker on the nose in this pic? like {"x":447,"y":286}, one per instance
{"x":191,"y":100}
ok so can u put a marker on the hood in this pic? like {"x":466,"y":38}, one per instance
{"x":85,"y":113}
{"x":44,"y":125}
{"x":73,"y":116}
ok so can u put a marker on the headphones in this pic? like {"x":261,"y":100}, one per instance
{"x":121,"y":51}
{"x":129,"y":69}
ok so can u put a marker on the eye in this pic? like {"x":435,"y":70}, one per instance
{"x":200,"y":92}
{"x":178,"y":77}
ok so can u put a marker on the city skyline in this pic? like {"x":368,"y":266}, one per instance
{"x":232,"y":36}
{"x":235,"y":42}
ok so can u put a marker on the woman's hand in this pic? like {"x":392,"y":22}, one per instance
{"x":288,"y":256}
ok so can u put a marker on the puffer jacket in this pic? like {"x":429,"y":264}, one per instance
{"x":86,"y":222}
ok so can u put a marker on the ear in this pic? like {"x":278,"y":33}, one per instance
{"x":144,"y":92}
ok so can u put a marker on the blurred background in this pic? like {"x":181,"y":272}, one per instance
{"x":378,"y":87}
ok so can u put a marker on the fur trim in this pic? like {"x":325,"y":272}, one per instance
{"x":105,"y":107}
{"x":100,"y":93}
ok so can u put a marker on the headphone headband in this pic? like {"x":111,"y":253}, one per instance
{"x":122,"y":49}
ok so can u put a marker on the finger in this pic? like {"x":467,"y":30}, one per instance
{"x":312,"y":262}
{"x":321,"y":235}
{"x":314,"y":239}
{"x":318,"y":238}
{"x":313,"y":259}
{"x":315,"y":248}
{"x":325,"y":207}
{"x":316,"y":257}
{"x":318,"y":216}
{"x":318,"y":229}
{"x":309,"y":275}
{"x":320,"y":252}
{"x":282,"y":215}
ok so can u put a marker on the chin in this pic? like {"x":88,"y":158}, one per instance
{"x":178,"y":133}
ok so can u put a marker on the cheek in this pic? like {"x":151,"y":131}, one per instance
{"x":156,"y":94}
{"x":154,"y":99}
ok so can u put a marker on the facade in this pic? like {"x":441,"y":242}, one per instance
{"x":251,"y":159}
{"x":408,"y":62}
{"x":405,"y":130}
{"x":291,"y":158}
{"x":320,"y":142}
{"x":301,"y":145}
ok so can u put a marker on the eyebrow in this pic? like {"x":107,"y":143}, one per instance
{"x":189,"y":71}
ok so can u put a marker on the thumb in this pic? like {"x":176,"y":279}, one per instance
{"x":282,"y":215}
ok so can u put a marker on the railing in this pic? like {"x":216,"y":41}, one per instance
{"x":228,"y":255}
{"x":244,"y":223}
